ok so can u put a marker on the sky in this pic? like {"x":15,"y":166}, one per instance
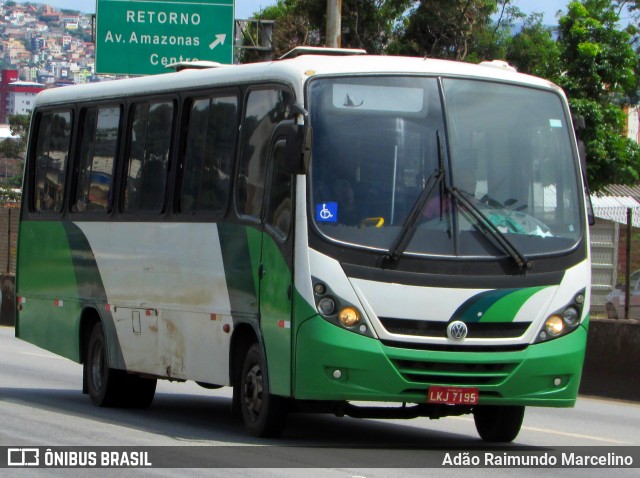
{"x":245,"y":8}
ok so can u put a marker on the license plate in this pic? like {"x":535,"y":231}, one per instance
{"x":453,"y":395}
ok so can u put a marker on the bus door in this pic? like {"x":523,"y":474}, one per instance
{"x":276,"y":269}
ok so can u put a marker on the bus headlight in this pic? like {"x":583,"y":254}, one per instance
{"x":326,"y":306}
{"x":571,"y":316}
{"x":554,"y":326}
{"x":349,"y":317}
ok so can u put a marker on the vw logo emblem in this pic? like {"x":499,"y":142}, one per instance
{"x":457,"y":330}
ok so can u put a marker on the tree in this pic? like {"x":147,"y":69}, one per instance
{"x":293,"y":27}
{"x":597,"y":55}
{"x":19,"y":127}
{"x":14,"y":148}
{"x":444,"y":28}
{"x":366,"y":24}
{"x":599,"y":67}
{"x":533,"y":49}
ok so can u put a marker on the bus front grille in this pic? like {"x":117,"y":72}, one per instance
{"x":447,"y":373}
{"x":437,"y":329}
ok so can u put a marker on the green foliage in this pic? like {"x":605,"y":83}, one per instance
{"x":16,"y":147}
{"x":494,"y":41}
{"x":8,"y":194}
{"x":599,"y":65}
{"x":366,"y":24}
{"x":444,"y":28}
{"x":611,"y":157}
{"x":19,"y":126}
{"x":293,"y":27}
{"x":533,"y":49}
{"x":10,"y":148}
{"x":597,"y":55}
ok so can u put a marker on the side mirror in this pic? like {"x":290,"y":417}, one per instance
{"x":298,"y":141}
{"x":579,"y":125}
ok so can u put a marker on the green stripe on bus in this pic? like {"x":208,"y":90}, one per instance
{"x":239,"y":270}
{"x":47,"y":275}
{"x":91,"y":290}
{"x":505,"y":309}
{"x":89,"y":281}
{"x":499,"y":305}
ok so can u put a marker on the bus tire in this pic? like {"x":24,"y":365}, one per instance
{"x":110,"y":387}
{"x":138,"y":391}
{"x":498,"y":423}
{"x":104,"y":384}
{"x":263,"y":414}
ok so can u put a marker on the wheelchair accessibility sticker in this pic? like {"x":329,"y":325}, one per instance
{"x":327,"y":212}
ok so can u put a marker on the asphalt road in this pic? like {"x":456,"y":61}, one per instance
{"x":41,"y":405}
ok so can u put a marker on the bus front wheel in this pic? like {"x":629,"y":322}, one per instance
{"x":110,"y":387}
{"x":263,"y":414}
{"x":498,"y":423}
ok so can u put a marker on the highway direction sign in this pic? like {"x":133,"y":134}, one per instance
{"x":141,"y":37}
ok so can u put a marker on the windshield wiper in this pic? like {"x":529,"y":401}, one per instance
{"x":485,"y":226}
{"x":408,"y":228}
{"x":490,"y":230}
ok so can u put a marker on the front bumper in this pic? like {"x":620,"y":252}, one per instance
{"x":335,"y":364}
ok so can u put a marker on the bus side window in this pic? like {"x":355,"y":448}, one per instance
{"x":210,"y":150}
{"x":150,"y":141}
{"x":52,"y":154}
{"x":97,"y":156}
{"x":264,"y":110}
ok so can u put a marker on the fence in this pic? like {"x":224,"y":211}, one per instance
{"x":8,"y":239}
{"x":615,"y":255}
{"x":604,"y":263}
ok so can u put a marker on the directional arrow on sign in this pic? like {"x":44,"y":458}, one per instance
{"x":218,"y":41}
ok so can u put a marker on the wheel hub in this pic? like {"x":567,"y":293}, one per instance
{"x":253,"y":390}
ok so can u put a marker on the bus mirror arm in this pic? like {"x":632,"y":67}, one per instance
{"x":298,"y":142}
{"x":295,"y":148}
{"x":306,"y":132}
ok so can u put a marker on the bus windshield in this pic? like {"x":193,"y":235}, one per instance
{"x":500,"y":152}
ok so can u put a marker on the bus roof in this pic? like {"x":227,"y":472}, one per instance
{"x":293,"y":71}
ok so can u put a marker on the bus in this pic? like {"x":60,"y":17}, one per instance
{"x":370,"y":236}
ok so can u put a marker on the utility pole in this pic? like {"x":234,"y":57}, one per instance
{"x":334,"y":23}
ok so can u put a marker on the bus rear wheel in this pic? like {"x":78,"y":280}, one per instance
{"x":110,"y":387}
{"x":264,"y":414}
{"x":498,"y":423}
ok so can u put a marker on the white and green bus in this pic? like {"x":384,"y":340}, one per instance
{"x":317,"y":233}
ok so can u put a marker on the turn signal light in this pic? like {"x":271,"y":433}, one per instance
{"x":349,"y":317}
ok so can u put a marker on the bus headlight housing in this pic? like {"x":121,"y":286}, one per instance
{"x":562,"y":321}
{"x":338,"y":312}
